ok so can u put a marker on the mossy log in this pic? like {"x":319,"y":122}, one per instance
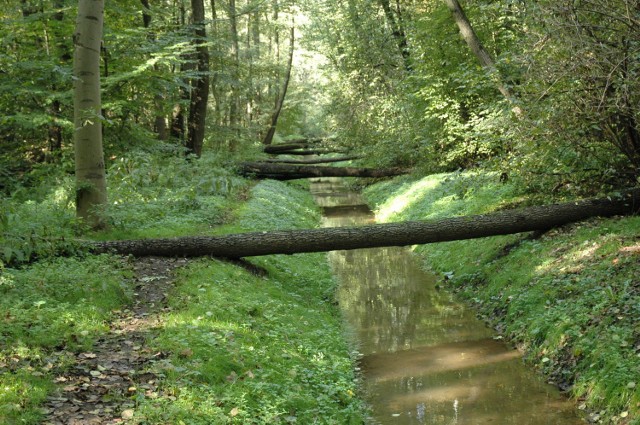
{"x":378,"y":235}
{"x":276,"y":171}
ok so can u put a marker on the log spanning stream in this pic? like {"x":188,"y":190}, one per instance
{"x":425,"y":358}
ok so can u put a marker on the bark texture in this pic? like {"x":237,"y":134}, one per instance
{"x":276,"y":171}
{"x":91,"y":185}
{"x":395,"y":234}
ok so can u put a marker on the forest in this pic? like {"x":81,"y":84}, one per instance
{"x":126,"y":121}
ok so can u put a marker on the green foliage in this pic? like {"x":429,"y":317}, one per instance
{"x":37,"y":224}
{"x":154,"y":194}
{"x":249,"y":349}
{"x":569,"y":299}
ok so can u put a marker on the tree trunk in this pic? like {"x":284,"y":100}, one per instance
{"x":377,"y":235}
{"x":291,"y":172}
{"x":178,"y":127}
{"x":284,"y":147}
{"x":398,"y":32}
{"x":91,"y":185}
{"x":472,"y":40}
{"x":55,"y":134}
{"x":199,"y":85}
{"x":234,"y":109}
{"x":268,"y":138}
{"x":312,"y":161}
{"x":160,"y":124}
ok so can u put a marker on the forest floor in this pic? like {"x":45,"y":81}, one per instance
{"x":101,"y":385}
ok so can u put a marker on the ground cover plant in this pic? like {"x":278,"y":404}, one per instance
{"x":263,"y":349}
{"x":56,"y":309}
{"x":570,"y":299}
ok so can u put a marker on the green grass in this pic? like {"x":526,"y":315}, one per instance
{"x":570,"y":299}
{"x":257,"y":350}
{"x":242,"y":348}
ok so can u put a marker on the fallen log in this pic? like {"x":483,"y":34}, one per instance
{"x":284,"y":147}
{"x":312,"y":161}
{"x":377,"y":235}
{"x":267,"y":170}
{"x":314,"y":151}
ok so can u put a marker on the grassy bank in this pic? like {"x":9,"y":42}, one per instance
{"x":248,"y":349}
{"x":236,"y":347}
{"x":569,"y":299}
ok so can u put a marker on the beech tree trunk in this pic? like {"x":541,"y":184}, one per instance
{"x":377,"y":235}
{"x":91,"y":183}
{"x":276,"y":171}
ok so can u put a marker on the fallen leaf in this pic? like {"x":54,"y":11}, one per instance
{"x":127,"y":414}
{"x":234,"y":412}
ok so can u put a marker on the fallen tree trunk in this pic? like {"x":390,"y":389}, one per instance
{"x":312,"y":161}
{"x":314,"y":151}
{"x":394,"y":234}
{"x":267,"y":170}
{"x":284,"y":147}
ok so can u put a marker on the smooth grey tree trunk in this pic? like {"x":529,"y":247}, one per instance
{"x":91,"y":184}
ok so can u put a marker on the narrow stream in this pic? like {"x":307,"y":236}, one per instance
{"x":425,"y":358}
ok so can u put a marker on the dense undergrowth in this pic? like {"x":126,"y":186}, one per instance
{"x":570,"y":299}
{"x":241,"y":348}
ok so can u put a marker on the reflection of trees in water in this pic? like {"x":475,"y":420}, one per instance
{"x":391,"y":303}
{"x":388,"y":300}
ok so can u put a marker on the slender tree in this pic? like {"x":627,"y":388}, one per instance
{"x":268,"y":138}
{"x":474,"y":43}
{"x":91,"y":187}
{"x":200,"y":84}
{"x":394,"y":20}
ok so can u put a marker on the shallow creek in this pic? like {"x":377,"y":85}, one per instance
{"x":426,"y":359}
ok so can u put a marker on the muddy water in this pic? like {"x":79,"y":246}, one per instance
{"x":425,"y":358}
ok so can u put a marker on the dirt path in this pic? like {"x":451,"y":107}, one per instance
{"x":101,"y":386}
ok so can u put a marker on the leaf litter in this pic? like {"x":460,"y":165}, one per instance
{"x":102,"y":385}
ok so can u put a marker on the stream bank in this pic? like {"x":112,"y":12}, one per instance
{"x":425,"y":358}
{"x":569,"y":299}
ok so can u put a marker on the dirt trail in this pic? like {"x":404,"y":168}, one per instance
{"x":101,"y":386}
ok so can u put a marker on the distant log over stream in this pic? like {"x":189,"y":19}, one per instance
{"x":377,"y":235}
{"x":276,"y":171}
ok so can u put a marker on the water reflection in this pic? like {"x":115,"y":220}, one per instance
{"x":426,"y":359}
